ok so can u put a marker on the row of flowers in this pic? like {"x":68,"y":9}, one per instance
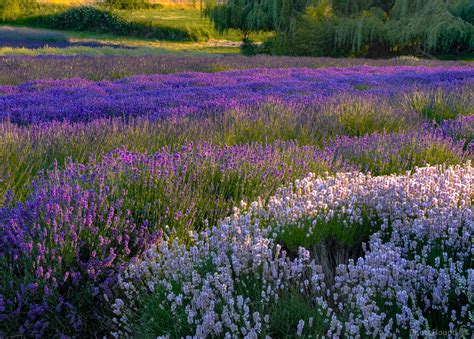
{"x":200,"y":94}
{"x":19,"y":69}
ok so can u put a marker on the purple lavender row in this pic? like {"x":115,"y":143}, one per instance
{"x":200,"y":94}
{"x":19,"y":69}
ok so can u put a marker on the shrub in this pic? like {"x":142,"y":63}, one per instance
{"x":100,"y":20}
{"x":440,"y":104}
{"x":85,"y":18}
{"x":315,"y":36}
{"x":61,"y":261}
{"x":248,"y":47}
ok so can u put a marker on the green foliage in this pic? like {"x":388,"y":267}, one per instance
{"x":85,"y":18}
{"x":421,"y":27}
{"x":10,"y":9}
{"x":20,"y":12}
{"x":310,"y":233}
{"x":314,"y":37}
{"x":246,"y":15}
{"x":99,"y":20}
{"x":319,"y":31}
{"x":465,"y":10}
{"x":434,"y":28}
{"x":191,"y":19}
{"x":13,"y":9}
{"x":349,"y":7}
{"x":155,"y":319}
{"x":357,"y":34}
{"x":376,"y":28}
{"x":290,"y":308}
{"x":128,"y":4}
{"x":144,"y":20}
{"x":409,"y":156}
{"x":250,"y":15}
{"x":248,"y":47}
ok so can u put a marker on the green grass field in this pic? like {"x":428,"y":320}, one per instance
{"x":115,"y":45}
{"x":188,"y":18}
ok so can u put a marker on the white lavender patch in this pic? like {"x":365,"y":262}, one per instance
{"x":414,"y":276}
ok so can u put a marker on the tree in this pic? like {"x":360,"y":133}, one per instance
{"x":255,"y":15}
{"x":377,"y":27}
{"x":351,"y":7}
{"x":419,"y":26}
{"x":433,"y":26}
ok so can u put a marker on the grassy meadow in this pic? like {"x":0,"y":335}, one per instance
{"x":189,"y":33}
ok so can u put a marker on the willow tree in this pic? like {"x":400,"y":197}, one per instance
{"x":351,"y":7}
{"x":254,"y":15}
{"x":435,"y":27}
{"x":417,"y":26}
{"x":363,"y":30}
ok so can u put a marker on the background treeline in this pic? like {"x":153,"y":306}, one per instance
{"x":363,"y":28}
{"x":373,"y":28}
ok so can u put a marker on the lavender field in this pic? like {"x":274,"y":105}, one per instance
{"x":229,"y":197}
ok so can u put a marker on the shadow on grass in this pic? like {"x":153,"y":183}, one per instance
{"x":22,"y":37}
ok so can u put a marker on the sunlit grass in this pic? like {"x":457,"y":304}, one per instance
{"x":183,"y":18}
{"x":172,"y":48}
{"x":107,"y":44}
{"x":189,"y":18}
